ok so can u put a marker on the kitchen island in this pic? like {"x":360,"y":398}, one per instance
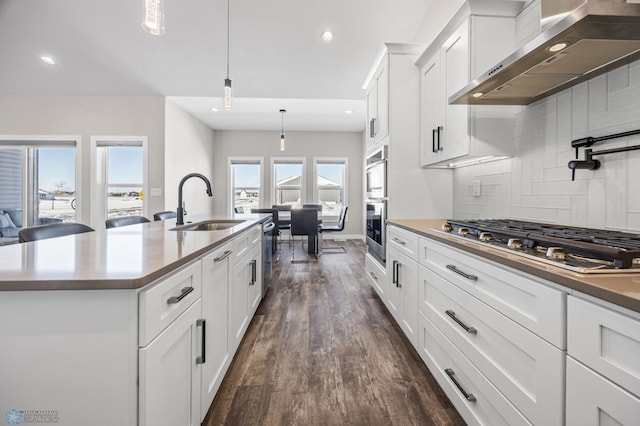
{"x":133,"y":326}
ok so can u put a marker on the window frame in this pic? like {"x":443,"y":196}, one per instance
{"x":289,"y":160}
{"x":231,"y":184}
{"x":99,"y":173}
{"x":45,"y":141}
{"x":331,"y":160}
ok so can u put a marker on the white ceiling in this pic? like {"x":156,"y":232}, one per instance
{"x":277,"y":59}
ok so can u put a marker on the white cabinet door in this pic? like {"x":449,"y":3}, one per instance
{"x":378,"y":105}
{"x":238,"y":294}
{"x":593,"y":400}
{"x":403,"y":293}
{"x":216,"y":270}
{"x":254,"y":292}
{"x":432,"y":97}
{"x":169,"y":375}
{"x":455,"y":57}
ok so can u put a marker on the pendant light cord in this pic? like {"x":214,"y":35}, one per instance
{"x":228,"y":15}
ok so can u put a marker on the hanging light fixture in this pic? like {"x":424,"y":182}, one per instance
{"x":227,"y":81}
{"x":282,"y":111}
{"x":153,"y":17}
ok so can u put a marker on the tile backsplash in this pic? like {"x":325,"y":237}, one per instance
{"x":536,"y":184}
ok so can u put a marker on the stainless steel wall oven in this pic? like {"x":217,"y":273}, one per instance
{"x":376,"y":203}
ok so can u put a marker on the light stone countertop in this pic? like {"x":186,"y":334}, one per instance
{"x":620,"y":289}
{"x":127,"y":257}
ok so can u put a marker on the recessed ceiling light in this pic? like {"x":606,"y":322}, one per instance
{"x":48,"y":60}
{"x":348,"y":111}
{"x":558,"y":47}
{"x":327,"y":36}
{"x":215,"y":109}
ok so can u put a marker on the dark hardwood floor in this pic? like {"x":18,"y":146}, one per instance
{"x":323,"y":350}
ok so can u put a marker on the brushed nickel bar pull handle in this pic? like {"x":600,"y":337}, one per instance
{"x":433,"y":140}
{"x":470,"y":330}
{"x":202,"y":323}
{"x":374,"y":276}
{"x":398,"y":265}
{"x":223,"y":257}
{"x":254,"y":268}
{"x":464,"y":274}
{"x":175,"y":299}
{"x":439,"y":128}
{"x":402,"y":243}
{"x":394,"y":273}
{"x":468,"y":396}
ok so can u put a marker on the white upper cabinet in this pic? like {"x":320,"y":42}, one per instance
{"x":453,"y":135}
{"x":378,"y":105}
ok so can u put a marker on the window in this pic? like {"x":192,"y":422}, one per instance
{"x":245,"y":177}
{"x":120,"y":185}
{"x":330,"y":179}
{"x":288,"y":181}
{"x":38,"y":180}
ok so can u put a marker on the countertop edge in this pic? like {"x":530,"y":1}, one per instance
{"x":566,"y":280}
{"x":125,"y":283}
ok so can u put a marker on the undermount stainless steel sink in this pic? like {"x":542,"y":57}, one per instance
{"x":209,"y":225}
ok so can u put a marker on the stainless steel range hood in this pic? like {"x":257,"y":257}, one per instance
{"x":600,"y":35}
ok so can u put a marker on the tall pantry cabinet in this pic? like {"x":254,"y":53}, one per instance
{"x":393,"y":120}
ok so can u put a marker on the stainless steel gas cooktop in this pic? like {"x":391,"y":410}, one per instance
{"x":582,"y":250}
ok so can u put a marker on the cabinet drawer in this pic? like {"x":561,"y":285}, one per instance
{"x":533,"y":305}
{"x":406,"y":242}
{"x":164,"y":301}
{"x":593,"y":400}
{"x":377,"y":276}
{"x":520,"y":364}
{"x":606,"y":341}
{"x":490,"y":407}
{"x":243,"y":242}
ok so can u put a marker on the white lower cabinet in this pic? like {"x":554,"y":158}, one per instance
{"x":402,"y":297}
{"x":474,"y":396}
{"x":169,"y":376}
{"x":245,"y":292}
{"x":377,"y":276}
{"x":592,"y":400}
{"x":216,"y":272}
{"x":603,"y":366}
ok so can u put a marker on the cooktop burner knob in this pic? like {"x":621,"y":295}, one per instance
{"x":556,"y":253}
{"x":447,"y":228}
{"x":514,"y":243}
{"x":484,"y":236}
{"x":463,"y":231}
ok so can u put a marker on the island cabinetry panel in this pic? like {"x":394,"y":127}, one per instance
{"x":170,"y":373}
{"x":216,"y":273}
{"x":73,"y":353}
{"x":603,"y":366}
{"x":245,"y":289}
{"x":164,"y":302}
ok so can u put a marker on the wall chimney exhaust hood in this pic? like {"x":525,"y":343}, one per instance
{"x":587,"y":38}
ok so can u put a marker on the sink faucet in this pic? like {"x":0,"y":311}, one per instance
{"x":180,"y":211}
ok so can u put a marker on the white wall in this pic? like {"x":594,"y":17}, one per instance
{"x":189,"y":148}
{"x":87,"y":116}
{"x":299,"y":144}
{"x":537,"y":185}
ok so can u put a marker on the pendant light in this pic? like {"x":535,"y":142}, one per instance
{"x":282,"y":111}
{"x":227,"y":81}
{"x":153,"y":17}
